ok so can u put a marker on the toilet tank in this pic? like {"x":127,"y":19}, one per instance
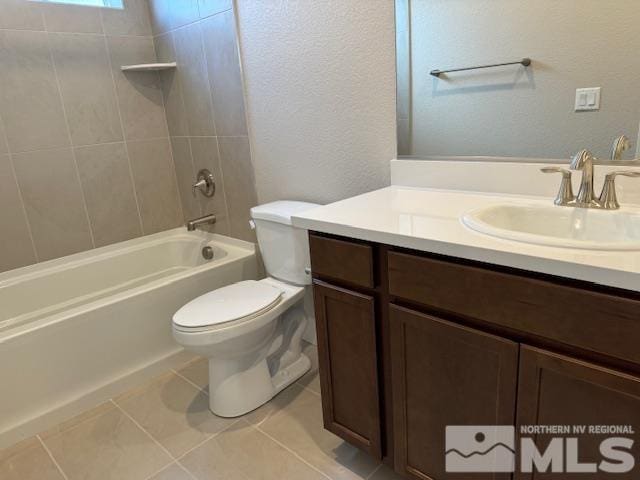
{"x":284,"y":248}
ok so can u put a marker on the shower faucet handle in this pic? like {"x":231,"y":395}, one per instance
{"x":204,"y":183}
{"x":565,"y":195}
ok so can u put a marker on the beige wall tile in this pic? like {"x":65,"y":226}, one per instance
{"x":160,"y":13}
{"x":139,"y":93}
{"x":192,"y":70}
{"x":155,"y":184}
{"x":71,"y":18}
{"x":54,"y":203}
{"x":242,"y":452}
{"x":16,"y":249}
{"x":169,"y":14}
{"x":240,"y":188}
{"x":108,"y":190}
{"x":29,"y":98}
{"x":4,"y":148}
{"x":183,"y":13}
{"x":20,"y":15}
{"x":109,"y":446}
{"x":211,"y":7}
{"x":186,"y":176}
{"x":171,"y":88}
{"x":172,"y":472}
{"x":88,"y":93}
{"x":224,"y":74}
{"x":30,"y":462}
{"x":174,"y":412}
{"x":134,"y":19}
{"x":205,"y":155}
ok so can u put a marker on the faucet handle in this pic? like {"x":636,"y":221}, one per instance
{"x":565,"y":194}
{"x":204,"y":183}
{"x":609,"y":198}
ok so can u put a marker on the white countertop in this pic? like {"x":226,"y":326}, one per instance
{"x":429,"y":220}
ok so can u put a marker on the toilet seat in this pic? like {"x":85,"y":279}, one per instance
{"x":227,"y":306}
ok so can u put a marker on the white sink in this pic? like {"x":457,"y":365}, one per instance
{"x":558,"y":226}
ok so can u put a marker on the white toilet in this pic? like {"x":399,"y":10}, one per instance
{"x":251,"y":331}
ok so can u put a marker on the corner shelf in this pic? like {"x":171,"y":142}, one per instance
{"x":148,"y":67}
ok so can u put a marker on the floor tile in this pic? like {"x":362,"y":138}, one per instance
{"x":174,"y":412}
{"x":311,"y":379}
{"x":197,"y":372}
{"x":78,"y":419}
{"x":295,"y":420}
{"x":385,"y":473}
{"x":28,"y":460}
{"x":110,"y":447}
{"x":243,"y":453}
{"x":172,"y":472}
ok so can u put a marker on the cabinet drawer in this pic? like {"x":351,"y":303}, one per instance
{"x":342,"y":260}
{"x":591,"y":320}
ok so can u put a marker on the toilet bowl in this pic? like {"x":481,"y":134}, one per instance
{"x":251,"y":331}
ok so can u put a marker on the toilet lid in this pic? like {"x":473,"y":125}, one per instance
{"x":227,"y":304}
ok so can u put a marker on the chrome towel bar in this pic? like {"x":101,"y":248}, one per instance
{"x":524,"y":62}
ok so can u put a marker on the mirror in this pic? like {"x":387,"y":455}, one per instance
{"x":520,"y":111}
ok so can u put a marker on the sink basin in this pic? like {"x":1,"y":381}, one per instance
{"x":558,"y":226}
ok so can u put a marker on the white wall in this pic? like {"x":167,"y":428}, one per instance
{"x":320,"y":90}
{"x":507,"y":112}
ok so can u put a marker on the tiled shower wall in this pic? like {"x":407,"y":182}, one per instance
{"x":85,"y":158}
{"x":205,"y":107}
{"x":85,"y":154}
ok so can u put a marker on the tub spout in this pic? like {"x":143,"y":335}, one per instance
{"x":196,"y":222}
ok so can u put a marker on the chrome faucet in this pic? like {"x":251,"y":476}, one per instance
{"x":620,"y":145}
{"x":584,"y":160}
{"x":196,"y":222}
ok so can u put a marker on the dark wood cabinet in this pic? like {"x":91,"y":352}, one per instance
{"x":410,"y":343}
{"x":445,"y":374}
{"x":346,"y":327}
{"x":558,"y":390}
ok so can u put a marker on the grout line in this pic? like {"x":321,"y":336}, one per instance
{"x":374,"y":472}
{"x":122,"y":410}
{"x":87,"y":145}
{"x":124,"y":137}
{"x":55,"y":462}
{"x":200,"y":19}
{"x":213,"y":119}
{"x":204,"y":390}
{"x":172,"y":462}
{"x":20,"y":196}
{"x":228,"y":427}
{"x":160,"y":83}
{"x":257,"y":427}
{"x":66,"y":121}
{"x":193,"y":173}
{"x":57,"y":32}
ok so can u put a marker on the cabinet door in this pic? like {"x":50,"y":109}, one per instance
{"x":446,"y":374}
{"x":557,"y":390}
{"x":346,"y":327}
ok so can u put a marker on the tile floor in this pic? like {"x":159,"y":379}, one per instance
{"x":164,"y":431}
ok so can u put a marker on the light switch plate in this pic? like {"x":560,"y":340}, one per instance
{"x":587,"y":99}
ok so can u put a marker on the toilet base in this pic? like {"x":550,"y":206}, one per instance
{"x":233,"y":395}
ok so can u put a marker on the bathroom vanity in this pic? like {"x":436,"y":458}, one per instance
{"x":423,"y":323}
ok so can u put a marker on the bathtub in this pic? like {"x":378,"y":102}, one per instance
{"x":77,"y":330}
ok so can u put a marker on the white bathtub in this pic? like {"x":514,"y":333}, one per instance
{"x":76,"y":330}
